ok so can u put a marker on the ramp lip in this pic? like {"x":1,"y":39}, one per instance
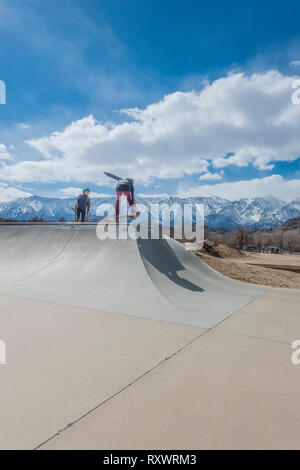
{"x":34,"y":224}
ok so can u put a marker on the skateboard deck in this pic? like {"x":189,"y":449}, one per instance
{"x":128,"y":218}
{"x":75,"y":214}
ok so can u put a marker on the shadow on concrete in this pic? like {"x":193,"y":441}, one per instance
{"x":160,"y":255}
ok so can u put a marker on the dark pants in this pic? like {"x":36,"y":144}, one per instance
{"x":119,"y":195}
{"x":80,"y":213}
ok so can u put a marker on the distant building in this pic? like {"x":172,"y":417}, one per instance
{"x":250,"y":248}
{"x":273,"y":249}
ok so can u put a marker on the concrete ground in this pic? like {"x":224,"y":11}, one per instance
{"x":137,"y":344}
{"x":78,"y":378}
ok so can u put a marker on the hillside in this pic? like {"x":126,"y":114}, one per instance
{"x":292,"y":224}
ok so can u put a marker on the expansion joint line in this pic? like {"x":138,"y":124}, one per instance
{"x":121,"y":390}
{"x":175,"y":353}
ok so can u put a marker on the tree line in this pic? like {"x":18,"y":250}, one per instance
{"x":241,"y":238}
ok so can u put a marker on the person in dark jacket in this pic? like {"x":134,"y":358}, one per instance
{"x":83,"y":204}
{"x":125,"y":186}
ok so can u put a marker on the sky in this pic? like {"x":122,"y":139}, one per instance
{"x":190,"y":98}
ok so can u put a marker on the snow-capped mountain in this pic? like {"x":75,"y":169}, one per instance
{"x":256,"y":212}
{"x":291,"y":210}
{"x":48,"y":209}
{"x":250,"y":212}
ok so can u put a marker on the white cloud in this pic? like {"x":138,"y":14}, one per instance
{"x":295,"y":63}
{"x":71,"y":191}
{"x":8,"y":193}
{"x":4,"y":153}
{"x":274,"y":185}
{"x":211,"y":176}
{"x":24,"y":126}
{"x":236,"y":120}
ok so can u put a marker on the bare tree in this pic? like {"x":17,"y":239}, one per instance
{"x":242,"y":237}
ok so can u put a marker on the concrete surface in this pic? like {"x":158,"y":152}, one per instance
{"x":227,"y":390}
{"x":184,"y":358}
{"x":62,"y":361}
{"x":155,"y":279}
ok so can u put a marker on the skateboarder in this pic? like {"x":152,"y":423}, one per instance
{"x":82,"y":206}
{"x":124,"y":187}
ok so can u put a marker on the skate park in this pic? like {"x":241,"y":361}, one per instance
{"x":121,"y":344}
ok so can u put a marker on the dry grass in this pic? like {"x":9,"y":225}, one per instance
{"x":270,"y":258}
{"x":224,"y":251}
{"x":238,"y":268}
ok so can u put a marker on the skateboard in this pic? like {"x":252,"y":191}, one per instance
{"x":75,"y":214}
{"x":133,"y":217}
{"x":116,"y":220}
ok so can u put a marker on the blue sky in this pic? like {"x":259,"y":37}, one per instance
{"x":188,"y":97}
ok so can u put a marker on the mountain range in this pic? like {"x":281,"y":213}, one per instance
{"x":258,"y":212}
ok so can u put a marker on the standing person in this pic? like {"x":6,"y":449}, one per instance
{"x":124,"y":187}
{"x":83,"y":204}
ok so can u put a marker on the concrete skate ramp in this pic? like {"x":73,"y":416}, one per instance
{"x":157,"y":279}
